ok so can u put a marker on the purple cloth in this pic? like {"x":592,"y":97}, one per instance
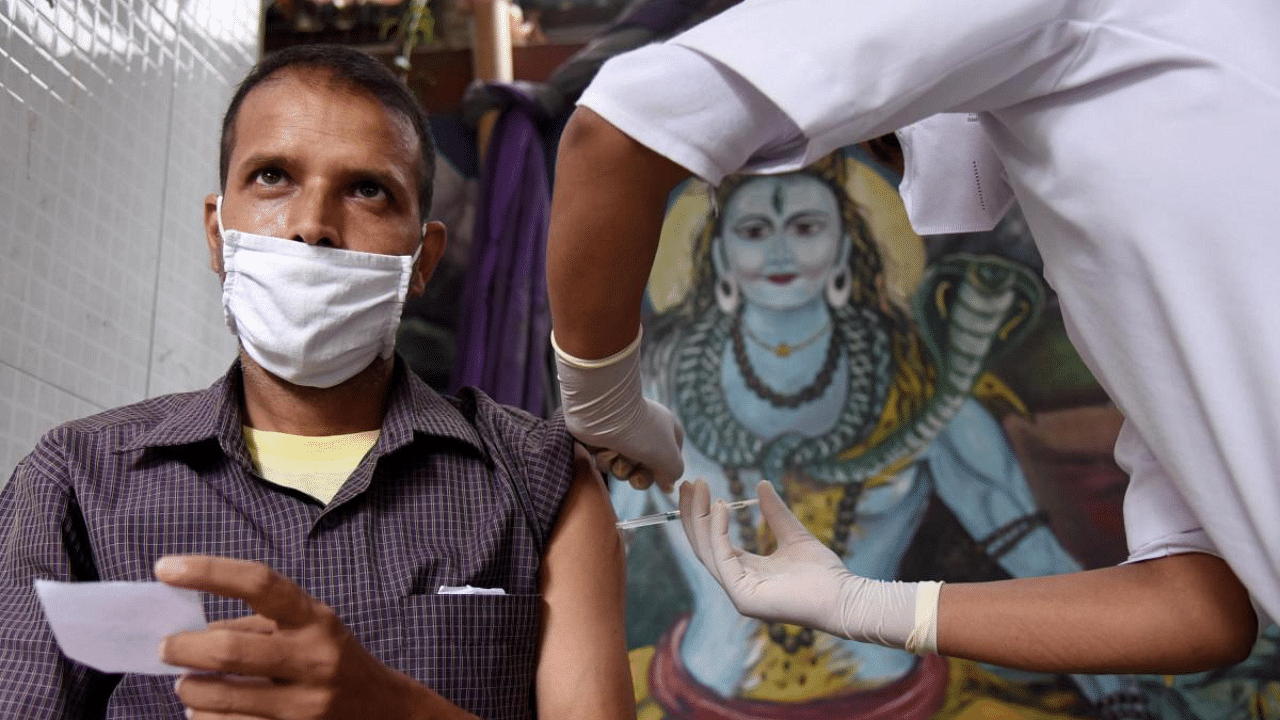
{"x":504,"y":322}
{"x":663,"y":17}
{"x":460,"y":492}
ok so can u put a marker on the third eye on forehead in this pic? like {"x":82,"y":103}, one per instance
{"x":795,"y":202}
{"x":783,"y":195}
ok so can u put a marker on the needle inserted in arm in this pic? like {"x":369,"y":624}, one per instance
{"x":659,"y":518}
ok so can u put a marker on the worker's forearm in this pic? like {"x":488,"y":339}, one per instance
{"x":607,"y":210}
{"x":1178,"y":614}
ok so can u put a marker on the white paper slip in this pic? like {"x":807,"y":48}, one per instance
{"x":468,"y":590}
{"x":116,"y":627}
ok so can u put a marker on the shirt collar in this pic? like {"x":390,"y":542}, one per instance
{"x":214,"y":414}
{"x":415,"y":408}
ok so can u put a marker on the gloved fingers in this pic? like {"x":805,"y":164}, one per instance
{"x":667,"y":462}
{"x":603,"y":459}
{"x":694,"y":499}
{"x":637,"y":475}
{"x":622,"y":467}
{"x":784,"y":524}
{"x":611,"y":462}
{"x":685,"y":498}
{"x":727,"y":558}
{"x":640,"y":478}
{"x":695,"y":516}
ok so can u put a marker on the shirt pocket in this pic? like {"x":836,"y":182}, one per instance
{"x":479,"y":651}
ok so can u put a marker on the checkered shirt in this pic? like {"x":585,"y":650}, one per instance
{"x":455,"y":492}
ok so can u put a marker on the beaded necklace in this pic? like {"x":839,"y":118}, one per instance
{"x":782,"y":349}
{"x":806,"y":394}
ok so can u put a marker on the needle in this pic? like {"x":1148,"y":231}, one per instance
{"x":659,"y":518}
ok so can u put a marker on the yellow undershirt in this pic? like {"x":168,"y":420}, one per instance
{"x":317,"y":466}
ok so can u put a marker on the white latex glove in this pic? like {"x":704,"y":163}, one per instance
{"x":632,"y":437}
{"x":803,"y":582}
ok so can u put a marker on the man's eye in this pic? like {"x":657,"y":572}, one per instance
{"x":369,"y":190}
{"x":270,"y":176}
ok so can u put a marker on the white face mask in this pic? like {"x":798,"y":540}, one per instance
{"x":311,"y":315}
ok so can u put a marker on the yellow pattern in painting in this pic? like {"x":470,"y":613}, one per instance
{"x":973,"y":693}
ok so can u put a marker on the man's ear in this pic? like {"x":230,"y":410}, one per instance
{"x":434,"y":239}
{"x":211,"y":234}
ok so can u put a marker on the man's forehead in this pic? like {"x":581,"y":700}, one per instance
{"x":279,"y":94}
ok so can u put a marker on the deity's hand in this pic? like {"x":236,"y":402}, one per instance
{"x":632,"y":437}
{"x":803,"y":582}
{"x":293,"y":659}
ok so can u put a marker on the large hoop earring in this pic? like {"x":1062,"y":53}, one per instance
{"x":839,"y":287}
{"x":727,"y":295}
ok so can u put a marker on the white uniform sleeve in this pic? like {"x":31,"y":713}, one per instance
{"x":1157,"y":520}
{"x":686,"y":120}
{"x":953,"y":180}
{"x":802,"y":78}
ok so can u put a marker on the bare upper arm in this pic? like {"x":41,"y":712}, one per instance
{"x":583,"y":670}
{"x":607,"y":209}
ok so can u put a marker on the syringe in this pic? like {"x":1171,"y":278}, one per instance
{"x":659,"y":518}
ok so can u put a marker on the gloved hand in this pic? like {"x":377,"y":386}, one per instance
{"x":803,"y":582}
{"x":631,"y":437}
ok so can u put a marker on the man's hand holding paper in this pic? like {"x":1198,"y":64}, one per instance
{"x":293,"y":658}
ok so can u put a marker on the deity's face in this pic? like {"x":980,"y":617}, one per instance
{"x":782,"y":238}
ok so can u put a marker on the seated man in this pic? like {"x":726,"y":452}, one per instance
{"x":320,"y":460}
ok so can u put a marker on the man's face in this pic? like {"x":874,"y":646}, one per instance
{"x":324,"y":164}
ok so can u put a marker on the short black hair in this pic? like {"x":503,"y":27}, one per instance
{"x":350,"y":67}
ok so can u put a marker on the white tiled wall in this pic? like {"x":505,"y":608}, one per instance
{"x":109,"y":115}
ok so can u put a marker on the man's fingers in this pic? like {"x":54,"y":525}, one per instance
{"x":266,"y":591}
{"x":231,"y":696}
{"x":248,"y":623}
{"x":252,"y":654}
